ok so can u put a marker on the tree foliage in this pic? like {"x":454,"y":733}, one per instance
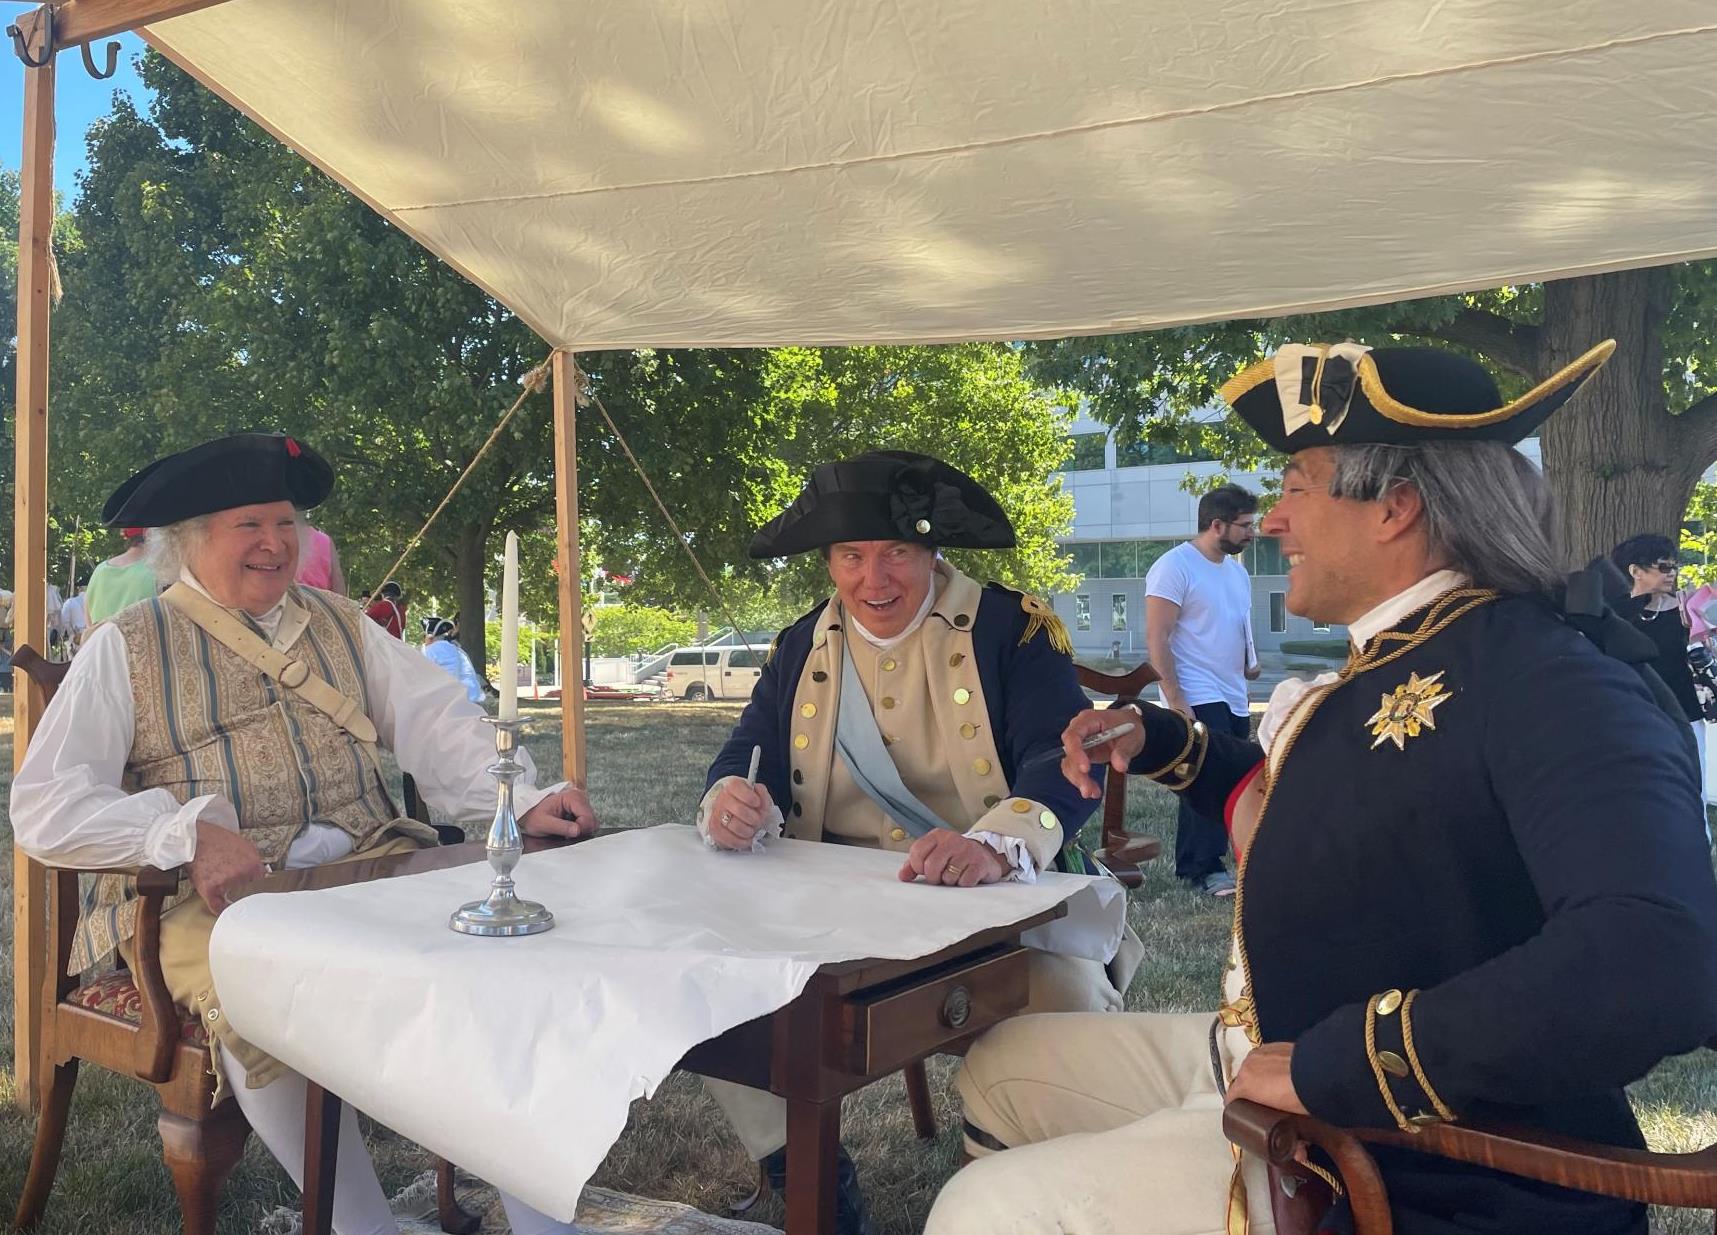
{"x":625,"y":630}
{"x":1623,"y":458}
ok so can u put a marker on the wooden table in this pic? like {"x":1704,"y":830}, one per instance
{"x":855,"y":1022}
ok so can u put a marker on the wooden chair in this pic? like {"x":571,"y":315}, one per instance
{"x":1683,"y":1181}
{"x":127,"y":1023}
{"x":1120,"y":851}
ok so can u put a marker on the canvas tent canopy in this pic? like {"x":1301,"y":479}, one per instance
{"x":707,"y":172}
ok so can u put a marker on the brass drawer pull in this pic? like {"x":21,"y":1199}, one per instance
{"x":957,"y":1008}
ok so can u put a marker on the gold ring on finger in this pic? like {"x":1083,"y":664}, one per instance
{"x":955,"y":870}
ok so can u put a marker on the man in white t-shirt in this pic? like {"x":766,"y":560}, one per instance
{"x":1198,"y":628}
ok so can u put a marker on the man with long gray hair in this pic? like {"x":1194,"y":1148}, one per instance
{"x":1474,"y":881}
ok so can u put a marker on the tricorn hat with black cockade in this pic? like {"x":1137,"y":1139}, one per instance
{"x":1343,"y":394}
{"x":887,"y":495}
{"x":246,"y":469}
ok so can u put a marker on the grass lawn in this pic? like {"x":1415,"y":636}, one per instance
{"x":648,"y":763}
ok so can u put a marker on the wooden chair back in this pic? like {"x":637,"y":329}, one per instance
{"x":1120,"y":850}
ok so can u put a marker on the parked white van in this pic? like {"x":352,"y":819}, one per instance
{"x":728,"y":672}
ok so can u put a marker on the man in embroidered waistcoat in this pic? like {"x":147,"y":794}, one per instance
{"x":1475,"y":884}
{"x":915,"y":711}
{"x":232,"y":724}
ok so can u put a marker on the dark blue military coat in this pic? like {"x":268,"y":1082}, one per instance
{"x":1529,"y":862}
{"x":1029,"y":689}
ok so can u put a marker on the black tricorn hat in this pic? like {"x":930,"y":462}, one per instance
{"x":242,"y":470}
{"x":1348,"y":394}
{"x":887,"y":495}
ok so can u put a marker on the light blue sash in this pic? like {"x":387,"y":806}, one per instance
{"x":860,"y":745}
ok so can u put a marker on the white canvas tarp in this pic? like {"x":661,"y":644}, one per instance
{"x":724,"y":172}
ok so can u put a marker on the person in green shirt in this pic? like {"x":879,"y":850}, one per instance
{"x":121,"y":581}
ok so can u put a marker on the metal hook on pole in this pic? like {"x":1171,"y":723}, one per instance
{"x":40,"y":22}
{"x":89,"y":61}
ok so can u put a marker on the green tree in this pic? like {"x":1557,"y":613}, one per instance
{"x":625,"y":630}
{"x":1623,"y":458}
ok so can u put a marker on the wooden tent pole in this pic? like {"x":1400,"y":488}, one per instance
{"x":572,"y":748}
{"x":30,"y":551}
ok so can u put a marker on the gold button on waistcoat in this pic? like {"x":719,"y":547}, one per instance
{"x":801,"y":742}
{"x":889,"y":666}
{"x":1021,"y":806}
{"x":968,"y":731}
{"x":1392,"y":1063}
{"x":898,"y":834}
{"x":1387,"y":1002}
{"x":888,"y":701}
{"x":962,"y":620}
{"x":962,"y":695}
{"x":981,"y":767}
{"x":817,"y":675}
{"x":807,"y":710}
{"x":990,"y":800}
{"x":956,"y":660}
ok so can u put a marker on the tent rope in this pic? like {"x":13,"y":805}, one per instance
{"x":584,"y":396}
{"x":533,"y":382}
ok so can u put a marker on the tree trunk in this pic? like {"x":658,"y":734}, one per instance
{"x":1619,"y":463}
{"x":470,"y":561}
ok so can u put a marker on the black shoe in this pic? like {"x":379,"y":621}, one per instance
{"x":852,"y":1211}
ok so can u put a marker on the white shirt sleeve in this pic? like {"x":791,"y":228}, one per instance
{"x":422,"y":714}
{"x":1167,"y":578}
{"x":68,"y":808}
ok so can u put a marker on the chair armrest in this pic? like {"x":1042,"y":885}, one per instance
{"x":1683,"y":1180}
{"x":158,"y":1032}
{"x":1278,"y":1136}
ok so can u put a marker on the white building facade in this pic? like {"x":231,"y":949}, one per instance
{"x":1130,"y":507}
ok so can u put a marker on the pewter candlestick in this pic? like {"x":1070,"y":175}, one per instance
{"x":503,"y":913}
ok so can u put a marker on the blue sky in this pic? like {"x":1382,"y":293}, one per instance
{"x":80,"y":100}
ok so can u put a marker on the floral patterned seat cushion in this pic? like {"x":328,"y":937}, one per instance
{"x":116,"y":995}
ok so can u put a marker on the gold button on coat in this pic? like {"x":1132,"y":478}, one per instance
{"x":889,"y":666}
{"x":962,"y":695}
{"x":1387,"y":1002}
{"x":1021,"y":806}
{"x":1048,"y":819}
{"x":801,"y":742}
{"x":888,"y":701}
{"x":956,"y":660}
{"x":807,"y":710}
{"x":968,"y":731}
{"x":981,"y":767}
{"x":898,"y":834}
{"x":1392,"y":1063}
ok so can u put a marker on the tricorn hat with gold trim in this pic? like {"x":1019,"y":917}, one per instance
{"x":887,"y":495}
{"x":1347,"y":394}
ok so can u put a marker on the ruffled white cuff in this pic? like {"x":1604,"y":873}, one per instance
{"x":1014,"y":850}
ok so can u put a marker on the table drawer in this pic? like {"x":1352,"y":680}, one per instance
{"x":890,"y":1027}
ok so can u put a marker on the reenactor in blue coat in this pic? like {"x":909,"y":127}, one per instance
{"x":914,"y":711}
{"x":1474,"y":882}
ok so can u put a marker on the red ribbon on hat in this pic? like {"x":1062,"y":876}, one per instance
{"x":292,"y":448}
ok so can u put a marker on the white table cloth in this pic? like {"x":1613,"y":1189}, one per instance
{"x":518,"y":1058}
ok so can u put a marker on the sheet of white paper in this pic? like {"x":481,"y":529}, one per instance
{"x":517,"y":1058}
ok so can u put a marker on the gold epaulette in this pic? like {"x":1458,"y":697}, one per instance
{"x":1039,"y":616}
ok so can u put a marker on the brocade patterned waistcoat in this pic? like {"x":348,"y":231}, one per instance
{"x":208,"y":722}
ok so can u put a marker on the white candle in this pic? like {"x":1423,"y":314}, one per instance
{"x":510,"y":630}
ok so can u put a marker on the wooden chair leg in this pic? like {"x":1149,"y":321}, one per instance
{"x":918,"y":1098}
{"x":201,"y":1153}
{"x":45,"y":1153}
{"x":454,"y":1219}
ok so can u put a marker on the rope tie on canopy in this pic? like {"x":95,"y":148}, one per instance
{"x":585,"y":395}
{"x":533,"y":382}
